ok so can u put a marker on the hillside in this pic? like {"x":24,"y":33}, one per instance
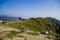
{"x":54,"y":20}
{"x":34,"y":28}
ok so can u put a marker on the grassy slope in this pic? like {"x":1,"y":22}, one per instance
{"x":36,"y":24}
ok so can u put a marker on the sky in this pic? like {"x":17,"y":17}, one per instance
{"x":30,"y":8}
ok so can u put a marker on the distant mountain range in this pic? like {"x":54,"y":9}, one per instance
{"x":5,"y":17}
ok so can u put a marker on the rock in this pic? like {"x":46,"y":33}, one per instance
{"x":46,"y":32}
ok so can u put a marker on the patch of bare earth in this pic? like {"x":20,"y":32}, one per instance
{"x":25,"y":36}
{"x":34,"y":37}
{"x":7,"y":28}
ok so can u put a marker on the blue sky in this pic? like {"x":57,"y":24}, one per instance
{"x":30,"y":8}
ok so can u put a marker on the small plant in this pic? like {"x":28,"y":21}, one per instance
{"x":0,"y":38}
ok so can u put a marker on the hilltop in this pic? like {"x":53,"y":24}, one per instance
{"x":32,"y":28}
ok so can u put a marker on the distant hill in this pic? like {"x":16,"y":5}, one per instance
{"x":5,"y":17}
{"x":56,"y":21}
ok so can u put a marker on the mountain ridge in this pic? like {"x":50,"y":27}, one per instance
{"x":33,"y":26}
{"x":5,"y":17}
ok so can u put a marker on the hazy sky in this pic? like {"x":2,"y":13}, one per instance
{"x":30,"y":8}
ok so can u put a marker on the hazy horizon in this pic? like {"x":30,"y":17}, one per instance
{"x":30,"y":8}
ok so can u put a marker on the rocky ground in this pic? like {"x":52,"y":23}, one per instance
{"x":9,"y":33}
